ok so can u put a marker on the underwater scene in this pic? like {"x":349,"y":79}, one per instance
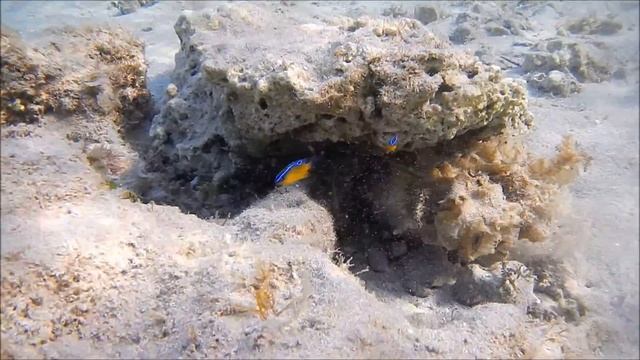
{"x":319,"y":179}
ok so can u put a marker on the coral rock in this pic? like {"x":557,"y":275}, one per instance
{"x":476,"y":219}
{"x":287,"y":217}
{"x":244,"y":94}
{"x":107,"y":76}
{"x":556,"y":83}
{"x":585,"y":62}
{"x":504,"y":282}
{"x":426,"y":14}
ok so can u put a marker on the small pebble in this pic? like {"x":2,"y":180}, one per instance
{"x":426,"y":14}
{"x":172,"y":91}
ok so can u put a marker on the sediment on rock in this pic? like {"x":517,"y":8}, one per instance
{"x":252,"y":108}
{"x":106,"y":78}
{"x":558,"y":66}
{"x":505,"y":282}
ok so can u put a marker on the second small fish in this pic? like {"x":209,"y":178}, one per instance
{"x":294,"y":172}
{"x":392,"y":144}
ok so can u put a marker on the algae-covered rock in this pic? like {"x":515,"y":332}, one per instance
{"x":98,"y":71}
{"x":336,"y":91}
{"x":243,"y":94}
{"x":504,"y":282}
{"x":426,"y":14}
{"x":594,"y":25}
{"x":357,"y":81}
{"x":499,"y":194}
{"x":479,"y":201}
{"x":556,"y":83}
{"x":125,"y":7}
{"x":476,"y":219}
{"x":287,"y":217}
{"x":586,"y":62}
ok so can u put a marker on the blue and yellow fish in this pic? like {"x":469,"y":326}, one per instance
{"x":294,"y":172}
{"x":392,"y":144}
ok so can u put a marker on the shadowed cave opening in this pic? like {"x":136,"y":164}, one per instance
{"x":345,"y":180}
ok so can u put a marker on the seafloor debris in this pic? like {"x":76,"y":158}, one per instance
{"x":555,"y":82}
{"x":558,"y":66}
{"x":504,"y":282}
{"x":594,"y":25}
{"x":263,"y":293}
{"x":125,"y":7}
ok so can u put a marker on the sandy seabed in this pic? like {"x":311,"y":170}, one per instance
{"x":90,"y":270}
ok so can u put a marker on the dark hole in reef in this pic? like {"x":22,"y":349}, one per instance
{"x":263,"y":104}
{"x":168,"y":140}
{"x":344,"y":179}
{"x":325,"y":117}
{"x":346,"y":175}
{"x":184,"y":177}
{"x":471,"y":74}
{"x":216,"y":140}
{"x":444,"y":88}
{"x":432,"y":71}
{"x":377,"y":110}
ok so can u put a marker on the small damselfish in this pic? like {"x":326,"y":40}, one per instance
{"x":294,"y":172}
{"x":392,"y":144}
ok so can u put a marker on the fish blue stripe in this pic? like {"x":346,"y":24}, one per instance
{"x":284,"y":172}
{"x":393,"y":141}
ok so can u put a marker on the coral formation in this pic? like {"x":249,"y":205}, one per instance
{"x":500,"y":194}
{"x":106,"y":78}
{"x":231,"y":119}
{"x":358,"y":82}
{"x":426,"y":14}
{"x":594,"y":25}
{"x":555,"y":82}
{"x":504,"y":282}
{"x":476,"y":200}
{"x":125,"y":7}
{"x":367,"y":81}
{"x":558,"y":66}
{"x":558,"y":292}
{"x":22,"y":80}
{"x":496,"y":19}
{"x":289,"y":216}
